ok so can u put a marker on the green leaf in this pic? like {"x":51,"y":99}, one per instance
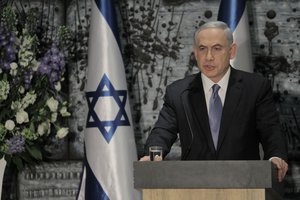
{"x":32,"y":127}
{"x":18,"y":162}
{"x":34,"y":152}
{"x":26,"y":157}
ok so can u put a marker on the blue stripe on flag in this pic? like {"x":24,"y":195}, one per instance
{"x":231,"y":11}
{"x":106,"y":7}
{"x":93,"y":189}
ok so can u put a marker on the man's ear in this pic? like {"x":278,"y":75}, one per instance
{"x":233,"y":50}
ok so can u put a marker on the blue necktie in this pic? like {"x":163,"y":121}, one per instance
{"x":215,"y":113}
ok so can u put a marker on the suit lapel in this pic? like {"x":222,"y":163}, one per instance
{"x":194,"y":103}
{"x":232,"y":100}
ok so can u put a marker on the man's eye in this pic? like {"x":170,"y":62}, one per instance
{"x":202,"y":48}
{"x":218,"y":48}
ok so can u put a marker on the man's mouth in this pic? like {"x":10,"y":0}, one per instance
{"x":209,"y":67}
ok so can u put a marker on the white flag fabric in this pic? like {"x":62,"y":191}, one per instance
{"x":110,"y":147}
{"x":234,"y":14}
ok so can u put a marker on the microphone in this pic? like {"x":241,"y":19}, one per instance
{"x":187,"y":152}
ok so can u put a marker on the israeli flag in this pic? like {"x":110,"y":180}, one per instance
{"x":234,"y":14}
{"x":110,"y":147}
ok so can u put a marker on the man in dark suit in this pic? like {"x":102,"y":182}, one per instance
{"x":244,"y":105}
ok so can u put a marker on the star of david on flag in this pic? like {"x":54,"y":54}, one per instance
{"x":107,"y":127}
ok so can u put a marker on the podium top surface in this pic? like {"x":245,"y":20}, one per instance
{"x":202,"y":174}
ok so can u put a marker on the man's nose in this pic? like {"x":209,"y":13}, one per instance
{"x":209,"y":55}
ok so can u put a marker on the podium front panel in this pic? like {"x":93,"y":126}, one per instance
{"x":202,"y":174}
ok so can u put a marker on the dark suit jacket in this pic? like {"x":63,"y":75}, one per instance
{"x":249,"y":117}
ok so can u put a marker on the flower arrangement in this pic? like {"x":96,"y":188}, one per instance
{"x":33,"y":107}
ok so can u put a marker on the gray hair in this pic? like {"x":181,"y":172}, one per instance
{"x":215,"y":24}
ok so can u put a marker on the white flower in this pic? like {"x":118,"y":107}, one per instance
{"x":22,"y":116}
{"x":21,"y":90}
{"x":4,"y":89}
{"x":24,"y":63}
{"x":13,"y":65}
{"x":64,"y":112}
{"x":35,"y":65}
{"x":57,"y":86}
{"x":10,"y":125}
{"x":52,"y":104}
{"x":62,"y":132}
{"x":25,"y":53}
{"x":29,"y":98}
{"x":53,"y":117}
{"x":43,"y":128}
{"x":13,"y":69}
{"x":16,"y":105}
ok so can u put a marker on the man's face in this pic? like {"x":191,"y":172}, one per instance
{"x":213,"y":53}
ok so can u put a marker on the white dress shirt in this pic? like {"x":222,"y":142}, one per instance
{"x":207,"y":87}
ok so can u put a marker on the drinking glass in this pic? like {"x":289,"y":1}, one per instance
{"x":156,"y":153}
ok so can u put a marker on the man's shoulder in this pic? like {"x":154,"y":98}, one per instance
{"x":251,"y":77}
{"x":183,"y":83}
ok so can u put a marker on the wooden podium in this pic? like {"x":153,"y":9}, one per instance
{"x":207,"y":180}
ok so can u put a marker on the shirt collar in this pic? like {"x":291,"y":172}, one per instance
{"x":223,"y":83}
